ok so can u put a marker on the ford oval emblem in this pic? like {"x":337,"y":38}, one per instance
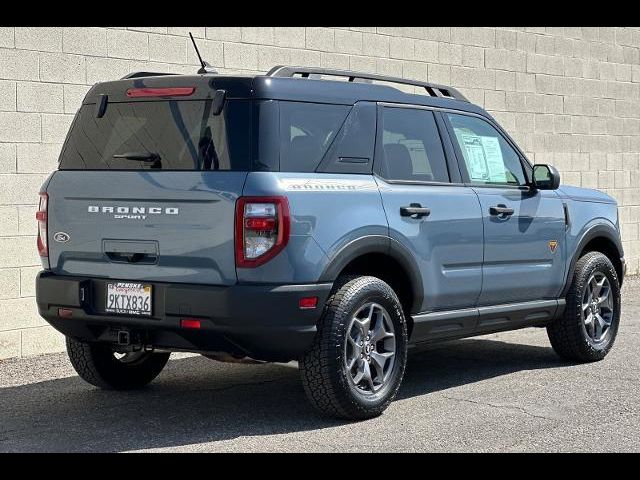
{"x":61,"y":237}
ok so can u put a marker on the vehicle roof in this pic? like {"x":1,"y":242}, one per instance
{"x":275,"y":88}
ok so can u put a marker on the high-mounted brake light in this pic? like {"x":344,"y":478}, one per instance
{"x":262,"y":229}
{"x":41,"y":216}
{"x":160,"y":92}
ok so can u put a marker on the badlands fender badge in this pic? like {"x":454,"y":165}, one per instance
{"x":553,"y":245}
{"x":61,"y":237}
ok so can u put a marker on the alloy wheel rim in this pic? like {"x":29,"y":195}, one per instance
{"x":370,"y":349}
{"x":597,"y":307}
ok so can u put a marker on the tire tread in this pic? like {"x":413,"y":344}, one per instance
{"x":566,"y":333}
{"x":88,"y":360}
{"x":319,"y":366}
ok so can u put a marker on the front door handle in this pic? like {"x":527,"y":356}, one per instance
{"x":415,"y":210}
{"x":501,"y":210}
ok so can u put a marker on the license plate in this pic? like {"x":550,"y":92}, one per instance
{"x":128,"y":298}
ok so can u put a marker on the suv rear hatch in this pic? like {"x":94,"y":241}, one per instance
{"x":148,"y":180}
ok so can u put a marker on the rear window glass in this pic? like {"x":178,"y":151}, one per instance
{"x":168,"y":135}
{"x":306,"y":132}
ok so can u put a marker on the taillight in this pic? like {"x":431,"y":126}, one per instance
{"x":262,"y":229}
{"x":41,"y":216}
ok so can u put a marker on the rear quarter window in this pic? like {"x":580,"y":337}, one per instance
{"x":306,"y":132}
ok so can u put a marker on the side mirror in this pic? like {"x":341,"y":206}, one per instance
{"x":545,"y":177}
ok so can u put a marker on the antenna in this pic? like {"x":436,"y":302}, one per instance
{"x":206,"y":68}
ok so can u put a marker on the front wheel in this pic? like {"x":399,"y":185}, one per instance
{"x":357,"y":361}
{"x":587,"y":330}
{"x":99,"y":365}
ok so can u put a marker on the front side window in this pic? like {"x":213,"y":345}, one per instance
{"x":411,"y":146}
{"x":488,"y":158}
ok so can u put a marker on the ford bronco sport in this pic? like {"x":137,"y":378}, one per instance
{"x":294,"y":216}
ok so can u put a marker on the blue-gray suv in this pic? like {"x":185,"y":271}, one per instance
{"x":325,"y":216}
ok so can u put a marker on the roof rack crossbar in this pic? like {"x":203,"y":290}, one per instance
{"x":146,"y":74}
{"x":433,"y":89}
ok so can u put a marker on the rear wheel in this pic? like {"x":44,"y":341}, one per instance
{"x":589,"y":326}
{"x":357,"y":361}
{"x":99,"y":365}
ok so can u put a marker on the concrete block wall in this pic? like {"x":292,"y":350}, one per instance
{"x":570,"y":96}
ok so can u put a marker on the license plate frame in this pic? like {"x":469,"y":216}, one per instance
{"x":129,"y":298}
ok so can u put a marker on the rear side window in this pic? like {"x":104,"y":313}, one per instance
{"x":171,"y":135}
{"x":411,"y":146}
{"x":306,"y":132}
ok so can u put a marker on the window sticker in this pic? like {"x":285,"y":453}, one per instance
{"x":475,"y":157}
{"x":483,"y":157}
{"x":493,"y":157}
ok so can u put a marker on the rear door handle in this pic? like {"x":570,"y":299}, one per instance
{"x":501,"y":210}
{"x":414,"y":210}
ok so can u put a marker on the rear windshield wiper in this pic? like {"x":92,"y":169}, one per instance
{"x":141,"y":156}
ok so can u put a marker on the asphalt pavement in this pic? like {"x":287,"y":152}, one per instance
{"x":497,"y":393}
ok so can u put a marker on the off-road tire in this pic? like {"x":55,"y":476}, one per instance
{"x":324,"y":378}
{"x":568,"y":334}
{"x":97,"y":365}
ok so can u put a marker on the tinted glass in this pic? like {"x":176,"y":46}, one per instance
{"x":411,"y":146}
{"x":487,"y":155}
{"x":182,"y":134}
{"x":306,"y":132}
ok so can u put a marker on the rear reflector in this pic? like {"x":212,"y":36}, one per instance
{"x":160,"y":92}
{"x":189,"y":323}
{"x":65,"y":313}
{"x":308,"y":302}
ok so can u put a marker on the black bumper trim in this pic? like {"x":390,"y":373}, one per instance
{"x":261,"y":321}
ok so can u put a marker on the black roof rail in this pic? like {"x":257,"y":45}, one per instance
{"x":146,"y":74}
{"x":432,"y":89}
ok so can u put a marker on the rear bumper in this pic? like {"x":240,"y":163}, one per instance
{"x":260,"y":321}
